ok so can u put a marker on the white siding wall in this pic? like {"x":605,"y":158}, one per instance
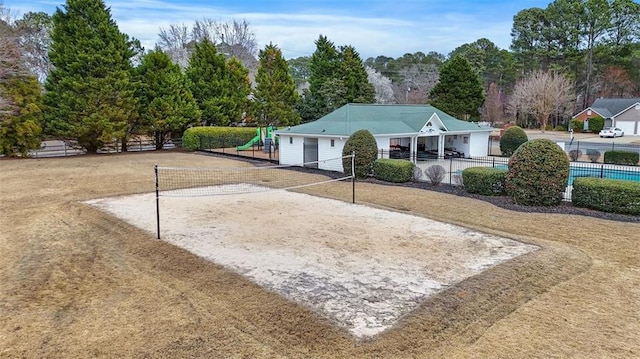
{"x":326,"y":152}
{"x":291,"y":153}
{"x":478,"y":144}
{"x":383,"y":143}
{"x":456,"y":142}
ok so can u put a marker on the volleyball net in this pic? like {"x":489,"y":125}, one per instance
{"x":216,"y":181}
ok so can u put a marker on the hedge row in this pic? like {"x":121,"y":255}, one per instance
{"x":622,"y":157}
{"x":486,"y":181}
{"x":607,"y":195}
{"x":393,"y":170}
{"x":208,"y":137}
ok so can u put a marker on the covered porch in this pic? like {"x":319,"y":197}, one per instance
{"x":429,"y":146}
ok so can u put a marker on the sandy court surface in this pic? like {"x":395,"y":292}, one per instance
{"x":360,"y":266}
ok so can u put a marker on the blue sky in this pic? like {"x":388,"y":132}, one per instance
{"x":374,"y":27}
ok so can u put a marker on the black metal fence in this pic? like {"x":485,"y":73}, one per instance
{"x":453,"y":168}
{"x":583,"y":146}
{"x":240,"y":147}
{"x":59,"y":148}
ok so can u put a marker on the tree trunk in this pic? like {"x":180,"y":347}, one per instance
{"x":159,"y":140}
{"x":543,"y":123}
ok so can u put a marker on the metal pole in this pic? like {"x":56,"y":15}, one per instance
{"x":353,"y":177}
{"x":155,"y":168}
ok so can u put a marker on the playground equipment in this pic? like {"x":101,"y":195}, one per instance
{"x":262,"y":134}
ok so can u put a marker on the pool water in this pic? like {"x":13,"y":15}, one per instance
{"x":598,"y":172}
{"x":603,"y":173}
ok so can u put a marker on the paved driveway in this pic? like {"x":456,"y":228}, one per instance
{"x":557,"y":136}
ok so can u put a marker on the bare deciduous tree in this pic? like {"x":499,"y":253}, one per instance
{"x":34,"y":38}
{"x":382,"y":85}
{"x":7,"y":16}
{"x":492,"y":111}
{"x":542,"y":94}
{"x":616,"y":82}
{"x":418,"y":80}
{"x":235,"y":39}
{"x":175,"y":41}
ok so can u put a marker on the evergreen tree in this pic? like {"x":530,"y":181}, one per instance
{"x":221,"y":89}
{"x":458,"y":91}
{"x":89,"y":92}
{"x":324,"y":63}
{"x":238,"y":90}
{"x":337,"y":78}
{"x":275,"y":93}
{"x":166,"y":104}
{"x":354,"y":75}
{"x":21,"y":117}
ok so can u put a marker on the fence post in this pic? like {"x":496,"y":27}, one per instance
{"x":64,"y":144}
{"x":601,"y":171}
{"x":493,"y":164}
{"x":451,"y":170}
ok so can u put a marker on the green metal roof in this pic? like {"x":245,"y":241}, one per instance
{"x":380,"y":120}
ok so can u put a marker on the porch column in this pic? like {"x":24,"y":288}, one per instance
{"x":413,"y":150}
{"x":441,"y":146}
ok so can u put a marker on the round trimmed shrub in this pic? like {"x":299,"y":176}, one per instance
{"x":365,"y":147}
{"x":538,"y":174}
{"x":512,"y":138}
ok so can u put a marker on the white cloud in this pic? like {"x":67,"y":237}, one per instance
{"x":295,"y":33}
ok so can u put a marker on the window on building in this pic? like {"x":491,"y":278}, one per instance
{"x":333,"y":143}
{"x":290,"y":140}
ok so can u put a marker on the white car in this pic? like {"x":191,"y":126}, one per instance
{"x":611,"y":132}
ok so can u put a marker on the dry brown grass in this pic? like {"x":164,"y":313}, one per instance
{"x":75,"y":282}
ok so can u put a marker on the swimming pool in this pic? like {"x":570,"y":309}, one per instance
{"x":602,"y":172}
{"x":599,"y":171}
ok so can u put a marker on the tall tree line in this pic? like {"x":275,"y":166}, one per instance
{"x":337,"y":76}
{"x":586,"y":39}
{"x":99,"y":86}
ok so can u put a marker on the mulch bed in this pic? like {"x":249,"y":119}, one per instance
{"x":499,"y":201}
{"x":507,"y":203}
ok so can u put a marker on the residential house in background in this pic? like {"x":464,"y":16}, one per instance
{"x":623,"y":113}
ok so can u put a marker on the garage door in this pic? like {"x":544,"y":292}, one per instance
{"x":627,"y":126}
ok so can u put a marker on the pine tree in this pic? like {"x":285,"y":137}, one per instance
{"x":354,"y":75}
{"x":21,"y":119}
{"x":337,"y":78}
{"x":89,"y":93}
{"x":166,"y":104}
{"x":275,"y":93}
{"x":458,"y":91}
{"x":220,"y":88}
{"x":238,"y":90}
{"x":325,"y":62}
